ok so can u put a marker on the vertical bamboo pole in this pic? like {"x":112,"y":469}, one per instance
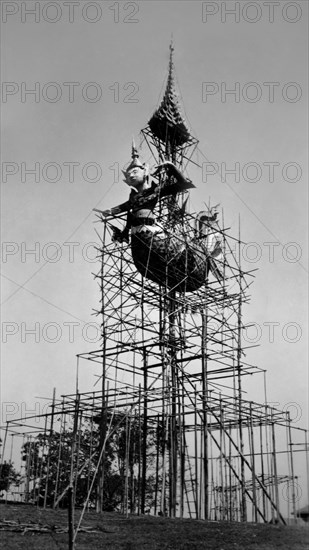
{"x":157,"y":464}
{"x":59,"y":455}
{"x":225,"y":491}
{"x":290,"y":447}
{"x":196,"y":457}
{"x":186,"y":492}
{"x":4,"y":443}
{"x":145,"y":430}
{"x":230,"y":494}
{"x":11,"y":463}
{"x":42,"y":458}
{"x":73,"y":473}
{"x":77,"y":375}
{"x":127,"y":451}
{"x":211,"y":460}
{"x":139,"y":479}
{"x":274,"y":457}
{"x":201,"y":470}
{"x":28,"y":468}
{"x":251,"y":439}
{"x":239,"y":367}
{"x":307,"y":460}
{"x":222,"y":515}
{"x":191,"y":476}
{"x":173,"y":426}
{"x":103,"y":417}
{"x":71,"y":518}
{"x":90,"y":446}
{"x":163,"y":495}
{"x":162,"y":312}
{"x":268,"y":460}
{"x":49,"y":442}
{"x":262,"y":470}
{"x":205,"y":419}
{"x":78,"y":428}
{"x":133,"y":452}
{"x":182,"y":439}
{"x":36,"y":473}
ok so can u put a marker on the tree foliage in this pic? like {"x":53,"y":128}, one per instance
{"x":8,"y":476}
{"x":50,"y":458}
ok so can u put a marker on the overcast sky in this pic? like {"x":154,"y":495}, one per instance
{"x":98,"y":69}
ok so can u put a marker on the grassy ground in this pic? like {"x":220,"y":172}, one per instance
{"x":115,"y":532}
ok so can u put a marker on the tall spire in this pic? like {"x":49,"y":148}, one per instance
{"x":167,"y":123}
{"x":170,"y":87}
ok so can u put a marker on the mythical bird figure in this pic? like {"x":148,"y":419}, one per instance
{"x":170,"y":250}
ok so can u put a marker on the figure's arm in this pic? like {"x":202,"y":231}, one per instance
{"x":118,"y":235}
{"x":124,"y":207}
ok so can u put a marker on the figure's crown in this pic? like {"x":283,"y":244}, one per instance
{"x":135,"y":162}
{"x":135,"y":159}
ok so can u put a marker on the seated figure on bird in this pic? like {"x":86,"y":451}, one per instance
{"x":168,"y":254}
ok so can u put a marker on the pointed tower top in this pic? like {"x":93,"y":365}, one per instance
{"x":171,"y":78}
{"x":167,"y":123}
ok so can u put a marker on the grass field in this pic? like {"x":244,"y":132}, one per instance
{"x":114,"y":532}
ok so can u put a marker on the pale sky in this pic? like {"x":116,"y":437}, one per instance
{"x":127,"y":61}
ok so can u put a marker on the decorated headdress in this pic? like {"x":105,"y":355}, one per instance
{"x":135,"y":163}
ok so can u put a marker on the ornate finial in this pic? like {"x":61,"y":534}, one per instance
{"x":171,"y":79}
{"x":135,"y":154}
{"x":135,"y":158}
{"x":171,"y":49}
{"x":167,"y":123}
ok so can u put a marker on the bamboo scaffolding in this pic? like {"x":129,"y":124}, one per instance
{"x":174,"y":364}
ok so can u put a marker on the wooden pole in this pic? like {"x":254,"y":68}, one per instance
{"x":71,"y":495}
{"x":157,"y":464}
{"x":62,"y":430}
{"x":71,"y":519}
{"x":205,"y":418}
{"x":274,"y":455}
{"x":145,"y":428}
{"x":103,"y":418}
{"x":28,"y":468}
{"x":290,"y":445}
{"x":127,"y":450}
{"x":252,"y":452}
{"x":173,"y":426}
{"x":139,"y":480}
{"x":196,"y":457}
{"x":262,"y":469}
{"x":50,"y":436}
{"x":239,"y":367}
